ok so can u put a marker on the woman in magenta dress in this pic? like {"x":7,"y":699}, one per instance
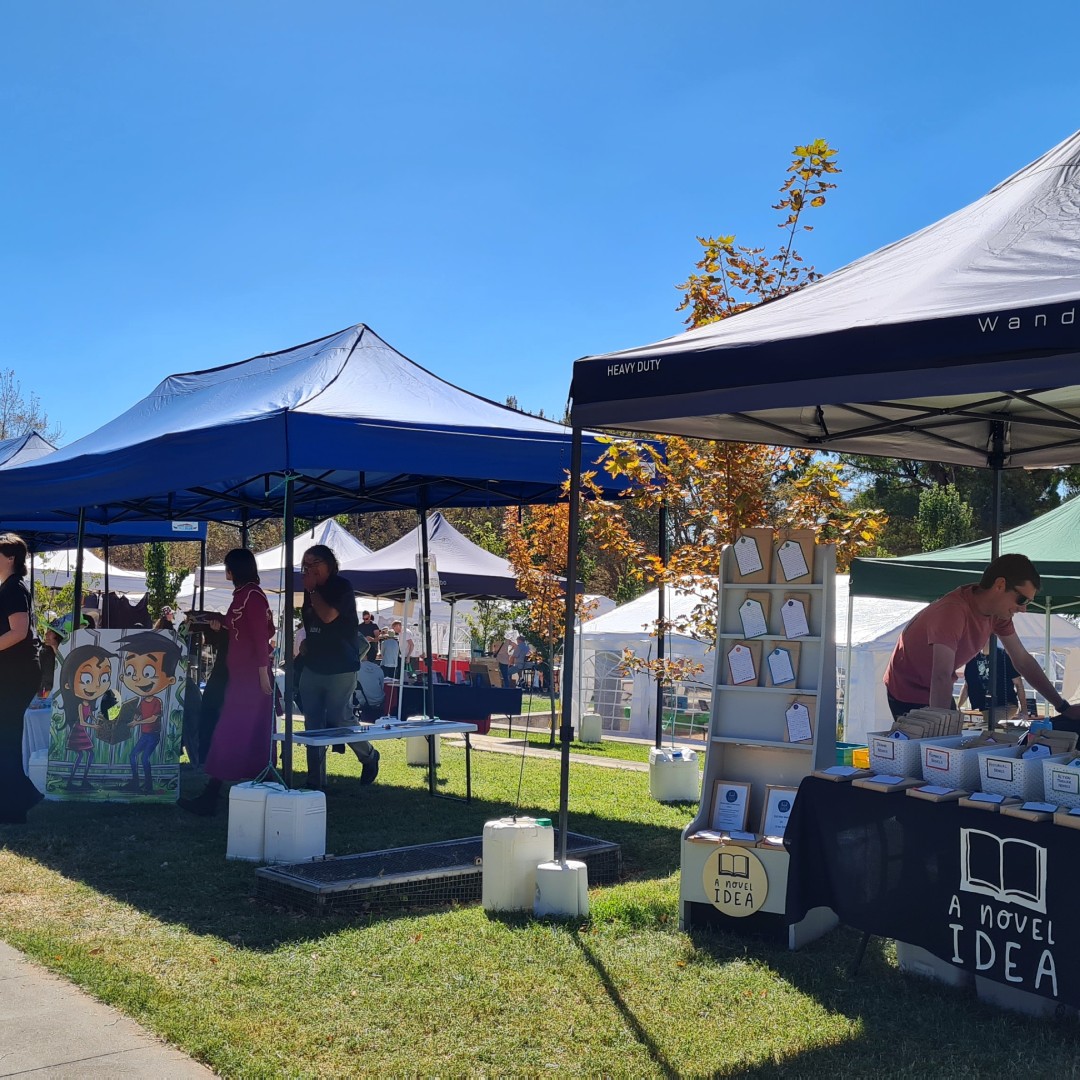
{"x":241,"y":745}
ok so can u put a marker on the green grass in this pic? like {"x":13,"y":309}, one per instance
{"x":138,"y":905}
{"x":540,"y":740}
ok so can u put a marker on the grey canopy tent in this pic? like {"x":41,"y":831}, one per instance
{"x":341,"y":424}
{"x":958,"y":343}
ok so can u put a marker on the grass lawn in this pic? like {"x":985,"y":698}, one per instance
{"x":540,"y":740}
{"x":140,"y":907}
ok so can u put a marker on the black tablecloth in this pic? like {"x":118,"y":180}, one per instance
{"x":994,"y":895}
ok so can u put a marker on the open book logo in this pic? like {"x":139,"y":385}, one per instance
{"x":1010,"y":870}
{"x":732,"y":865}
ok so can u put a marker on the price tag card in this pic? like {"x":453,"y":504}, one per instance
{"x":753,"y":552}
{"x":782,"y":665}
{"x":744,"y":658}
{"x":794,"y":614}
{"x":754,"y":618}
{"x":794,"y":556}
{"x":799,"y":720}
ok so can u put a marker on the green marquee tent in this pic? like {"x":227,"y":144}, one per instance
{"x":1051,"y":541}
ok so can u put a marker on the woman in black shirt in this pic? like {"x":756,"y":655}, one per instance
{"x":20,"y":677}
{"x":331,"y":650}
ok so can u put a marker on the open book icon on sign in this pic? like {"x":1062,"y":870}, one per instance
{"x":1010,"y":870}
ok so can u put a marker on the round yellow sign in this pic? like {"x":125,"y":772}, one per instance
{"x":735,"y":881}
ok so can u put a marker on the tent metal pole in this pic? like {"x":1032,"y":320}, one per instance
{"x":401,"y":652}
{"x":450,"y":647}
{"x":1048,"y":659}
{"x":103,"y":613}
{"x":287,"y":631}
{"x":566,"y":731}
{"x":847,"y":661}
{"x":661,"y":632}
{"x":76,"y":614}
{"x":425,"y":585}
{"x":997,"y":462}
{"x":244,"y":520}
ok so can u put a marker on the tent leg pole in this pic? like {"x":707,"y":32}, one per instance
{"x":568,"y":639}
{"x":287,"y":634}
{"x":847,"y":660}
{"x":661,"y":633}
{"x":76,"y":613}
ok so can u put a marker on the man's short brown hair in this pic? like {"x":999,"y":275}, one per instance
{"x":1015,"y":569}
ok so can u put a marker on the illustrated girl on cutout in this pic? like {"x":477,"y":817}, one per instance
{"x":85,"y":684}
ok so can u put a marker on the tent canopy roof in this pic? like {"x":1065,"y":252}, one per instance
{"x":23,"y":448}
{"x":1051,"y":541}
{"x":465,"y":570}
{"x":357,"y":425}
{"x":271,"y":562}
{"x":958,"y":343}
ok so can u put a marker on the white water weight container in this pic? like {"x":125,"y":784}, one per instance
{"x":562,"y":888}
{"x":247,"y":815}
{"x":416,"y":750}
{"x":295,"y":826}
{"x":592,"y":728}
{"x":673,"y":775}
{"x":512,"y":850}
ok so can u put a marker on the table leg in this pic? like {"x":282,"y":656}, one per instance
{"x":860,"y":952}
{"x":468,"y":768}
{"x":431,"y":763}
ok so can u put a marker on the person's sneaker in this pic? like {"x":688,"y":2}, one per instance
{"x":369,"y":768}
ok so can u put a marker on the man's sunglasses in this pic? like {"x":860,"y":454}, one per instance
{"x":1021,"y":599}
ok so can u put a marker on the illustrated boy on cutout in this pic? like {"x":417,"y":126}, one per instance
{"x":148,"y":661}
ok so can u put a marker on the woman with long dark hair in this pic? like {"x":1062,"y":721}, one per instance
{"x":20,"y":677}
{"x":240,"y":747}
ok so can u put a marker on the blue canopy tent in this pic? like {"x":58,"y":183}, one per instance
{"x":23,"y":448}
{"x":342,"y":424}
{"x":959,"y":343}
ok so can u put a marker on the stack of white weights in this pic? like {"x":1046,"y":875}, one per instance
{"x":521,"y":873}
{"x":268,"y":823}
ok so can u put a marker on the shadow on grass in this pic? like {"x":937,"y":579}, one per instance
{"x":638,"y":1030}
{"x":170,"y":865}
{"x":907,"y":1026}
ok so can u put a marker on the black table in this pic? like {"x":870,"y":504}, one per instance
{"x":993,"y":895}
{"x":454,"y":701}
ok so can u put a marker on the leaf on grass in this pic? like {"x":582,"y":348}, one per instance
{"x":94,"y":952}
{"x":213,"y":959}
{"x":680,"y":963}
{"x":416,"y":938}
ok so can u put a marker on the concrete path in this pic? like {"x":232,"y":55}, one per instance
{"x":50,"y":1028}
{"x":515,"y":745}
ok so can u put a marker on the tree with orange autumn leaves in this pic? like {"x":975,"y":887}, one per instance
{"x":710,"y":489}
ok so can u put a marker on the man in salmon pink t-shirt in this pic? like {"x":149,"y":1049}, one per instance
{"x":944,"y":636}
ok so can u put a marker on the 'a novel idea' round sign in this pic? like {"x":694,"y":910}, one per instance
{"x":735,"y":881}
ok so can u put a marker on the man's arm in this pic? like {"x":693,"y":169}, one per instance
{"x":1034,"y":675}
{"x":942,"y":677}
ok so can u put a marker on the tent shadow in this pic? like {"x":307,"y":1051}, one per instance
{"x":171,"y":865}
{"x":898,"y":1018}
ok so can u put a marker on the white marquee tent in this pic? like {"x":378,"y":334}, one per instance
{"x":56,"y":568}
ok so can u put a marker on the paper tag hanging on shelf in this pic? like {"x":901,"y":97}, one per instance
{"x":752,"y":616}
{"x":741,"y":665}
{"x":792,"y":561}
{"x":800,"y":726}
{"x":793,"y":614}
{"x":781,"y":671}
{"x":747,"y":555}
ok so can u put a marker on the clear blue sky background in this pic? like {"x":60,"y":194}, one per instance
{"x":496,"y":188}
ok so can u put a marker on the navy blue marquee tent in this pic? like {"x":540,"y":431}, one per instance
{"x":959,"y":343}
{"x":341,"y":424}
{"x":355,"y":425}
{"x":23,"y":448}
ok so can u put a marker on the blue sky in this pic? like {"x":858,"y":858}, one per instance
{"x":495,"y":188}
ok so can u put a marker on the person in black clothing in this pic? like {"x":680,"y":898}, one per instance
{"x":47,"y":657}
{"x":20,"y":678}
{"x":332,"y":653}
{"x":977,"y":684}
{"x":369,"y":631}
